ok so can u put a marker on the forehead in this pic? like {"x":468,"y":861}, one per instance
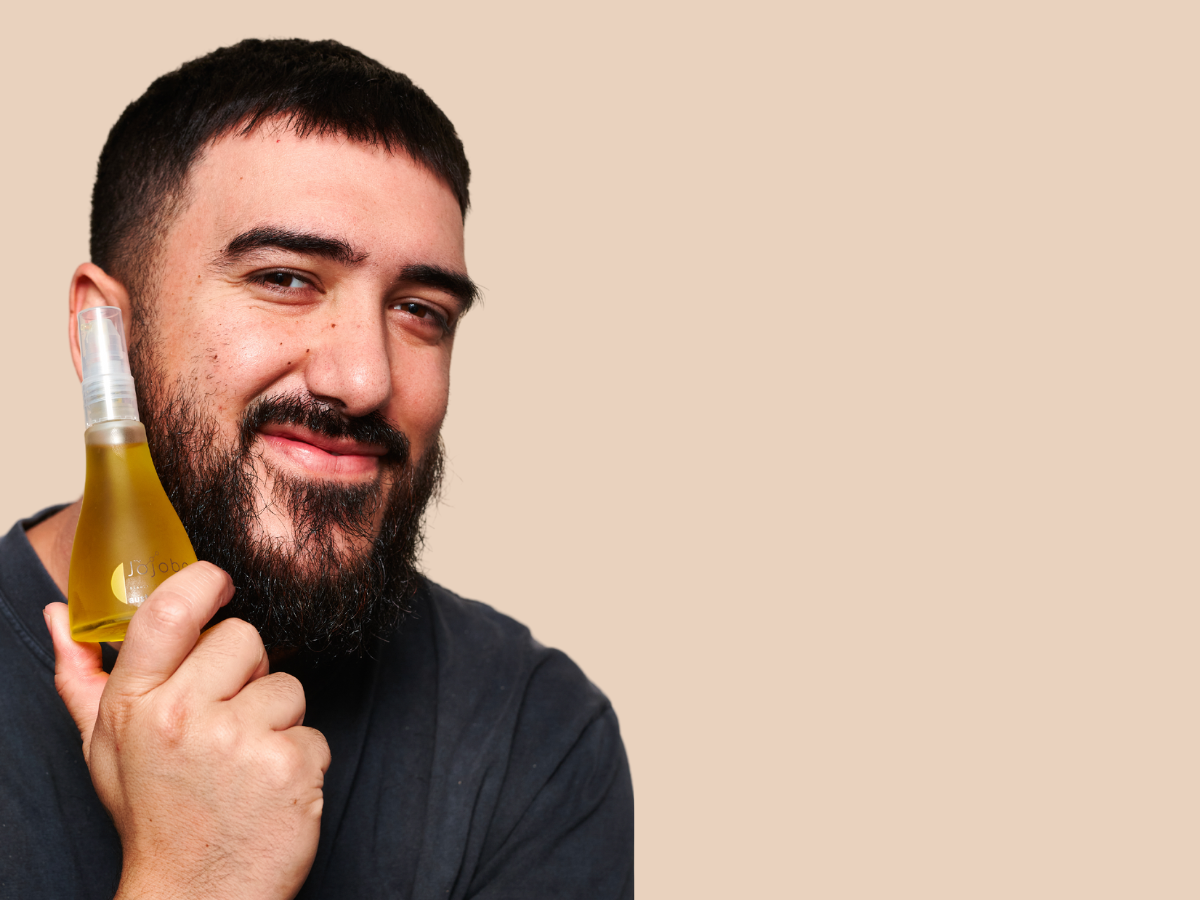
{"x":380,"y":202}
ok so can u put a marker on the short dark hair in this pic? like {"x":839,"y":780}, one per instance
{"x":318,"y":87}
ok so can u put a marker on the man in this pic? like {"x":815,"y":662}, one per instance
{"x":281,"y":223}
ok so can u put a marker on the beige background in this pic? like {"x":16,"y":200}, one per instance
{"x":832,"y":403}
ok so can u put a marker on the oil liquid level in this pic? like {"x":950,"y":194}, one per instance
{"x":128,"y":540}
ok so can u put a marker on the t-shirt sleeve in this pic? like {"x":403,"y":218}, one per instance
{"x":564,"y":825}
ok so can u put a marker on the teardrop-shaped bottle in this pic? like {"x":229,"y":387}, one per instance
{"x":129,"y":538}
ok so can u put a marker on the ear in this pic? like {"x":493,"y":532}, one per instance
{"x":92,"y":286}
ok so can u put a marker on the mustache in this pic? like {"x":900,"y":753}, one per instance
{"x":322,"y":418}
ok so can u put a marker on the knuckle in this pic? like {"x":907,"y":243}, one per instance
{"x":209,"y":577}
{"x":287,"y":681}
{"x":224,"y":737}
{"x":314,"y":808}
{"x":288,"y":687}
{"x":281,"y":763}
{"x":170,"y":611}
{"x":320,"y":748}
{"x":240,"y":632}
{"x":171,"y":720}
{"x":208,"y":570}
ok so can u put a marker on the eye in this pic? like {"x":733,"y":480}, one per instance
{"x":415,"y":309}
{"x":281,"y":279}
{"x":429,"y":317}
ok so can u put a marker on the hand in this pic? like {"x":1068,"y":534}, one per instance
{"x":197,"y":752}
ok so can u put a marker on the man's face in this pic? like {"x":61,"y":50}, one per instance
{"x":297,"y":355}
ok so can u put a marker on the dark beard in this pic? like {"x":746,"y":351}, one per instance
{"x":313,"y":593}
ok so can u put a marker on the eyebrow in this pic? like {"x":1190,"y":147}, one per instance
{"x":458,"y":285}
{"x":296,"y":241}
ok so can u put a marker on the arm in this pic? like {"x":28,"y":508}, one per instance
{"x":195,"y":750}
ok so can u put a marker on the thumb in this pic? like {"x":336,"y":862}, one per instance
{"x":78,"y":673}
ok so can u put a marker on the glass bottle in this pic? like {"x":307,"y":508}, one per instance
{"x":129,"y":538}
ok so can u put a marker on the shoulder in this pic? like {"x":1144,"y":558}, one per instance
{"x":495,"y":675}
{"x":482,"y":650}
{"x":472,"y":622}
{"x":524,"y":734}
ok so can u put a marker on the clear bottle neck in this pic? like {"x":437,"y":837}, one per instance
{"x":115,"y":432}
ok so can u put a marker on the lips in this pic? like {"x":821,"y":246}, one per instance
{"x":319,"y":455}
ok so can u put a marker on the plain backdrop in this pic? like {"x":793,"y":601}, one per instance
{"x":832,"y":403}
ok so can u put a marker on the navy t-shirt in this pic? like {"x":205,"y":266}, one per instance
{"x":468,"y":761}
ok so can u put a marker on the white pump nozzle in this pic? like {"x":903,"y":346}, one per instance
{"x":107,"y":384}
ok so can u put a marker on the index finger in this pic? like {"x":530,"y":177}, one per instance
{"x":166,"y":627}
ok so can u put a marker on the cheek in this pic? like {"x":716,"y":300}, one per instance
{"x":420,"y":396}
{"x":234,"y":364}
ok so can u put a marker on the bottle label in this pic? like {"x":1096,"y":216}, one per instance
{"x":134,"y":580}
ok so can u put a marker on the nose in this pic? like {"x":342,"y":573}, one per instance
{"x":350,"y":366}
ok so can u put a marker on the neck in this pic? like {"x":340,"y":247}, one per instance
{"x":52,"y":540}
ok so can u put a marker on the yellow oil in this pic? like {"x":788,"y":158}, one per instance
{"x":129,"y":539}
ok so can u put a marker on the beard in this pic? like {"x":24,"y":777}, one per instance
{"x":348,"y":574}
